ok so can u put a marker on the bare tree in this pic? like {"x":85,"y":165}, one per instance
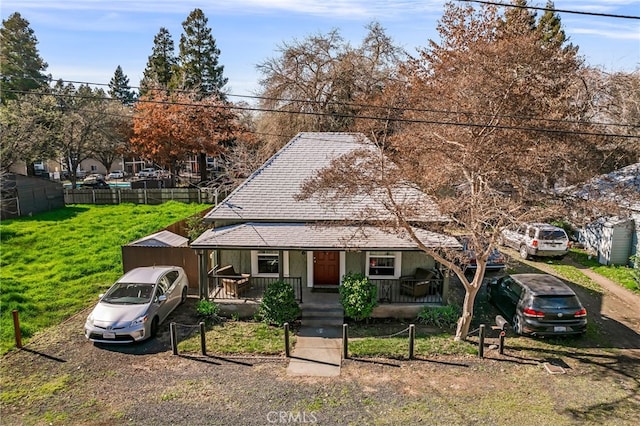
{"x":492,"y":125}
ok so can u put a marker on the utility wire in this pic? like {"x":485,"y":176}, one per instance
{"x":549,"y":9}
{"x":365,"y":117}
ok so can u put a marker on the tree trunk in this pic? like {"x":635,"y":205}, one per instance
{"x":202,"y":166}
{"x":467,"y":310}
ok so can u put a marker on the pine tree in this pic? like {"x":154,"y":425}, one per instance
{"x":161,"y":65}
{"x":21,"y":67}
{"x":550,"y":29}
{"x":119,"y":87}
{"x":199,"y":69}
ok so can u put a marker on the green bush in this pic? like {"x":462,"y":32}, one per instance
{"x":279,"y":304}
{"x":207,"y":309}
{"x":440,"y":316}
{"x":358,"y":296}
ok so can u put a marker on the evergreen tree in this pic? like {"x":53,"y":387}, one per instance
{"x":119,"y":87}
{"x":21,"y":67}
{"x":161,"y":65}
{"x":550,"y":29}
{"x":199,"y":69}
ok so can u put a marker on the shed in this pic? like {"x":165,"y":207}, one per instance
{"x":611,"y":238}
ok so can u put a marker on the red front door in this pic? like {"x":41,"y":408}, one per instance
{"x":326,"y":268}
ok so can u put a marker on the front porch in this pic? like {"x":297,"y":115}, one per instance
{"x":244,"y":288}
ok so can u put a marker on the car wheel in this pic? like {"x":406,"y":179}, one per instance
{"x":517,"y":326}
{"x":154,"y":327}
{"x":524,"y":253}
{"x":184,"y":295}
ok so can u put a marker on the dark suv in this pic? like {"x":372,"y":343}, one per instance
{"x":538,"y":304}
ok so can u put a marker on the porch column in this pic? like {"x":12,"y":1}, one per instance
{"x":281,"y":265}
{"x":203,"y":274}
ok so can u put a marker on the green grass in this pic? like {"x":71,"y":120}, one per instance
{"x":619,"y":274}
{"x":233,"y":337}
{"x":54,"y":264}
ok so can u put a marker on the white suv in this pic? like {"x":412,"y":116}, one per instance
{"x":536,"y":239}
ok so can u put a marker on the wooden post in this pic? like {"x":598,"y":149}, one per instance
{"x":174,"y":338}
{"x":481,"y":342}
{"x":345,"y":341}
{"x":203,"y":339}
{"x":287,"y":352}
{"x":16,"y":328}
{"x":501,"y":346}
{"x":412,"y":338}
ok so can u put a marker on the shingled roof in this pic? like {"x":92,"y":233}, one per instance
{"x":269,"y":194}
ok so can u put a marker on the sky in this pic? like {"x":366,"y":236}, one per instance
{"x":85,"y":40}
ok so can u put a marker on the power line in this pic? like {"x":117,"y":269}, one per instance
{"x":549,"y":9}
{"x":373,"y":118}
{"x":378,"y":107}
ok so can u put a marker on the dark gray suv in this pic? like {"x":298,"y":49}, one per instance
{"x":538,"y":304}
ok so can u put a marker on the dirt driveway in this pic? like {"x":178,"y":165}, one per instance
{"x":61,"y":379}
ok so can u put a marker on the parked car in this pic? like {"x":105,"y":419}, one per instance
{"x":495,"y":262}
{"x":95,"y":183}
{"x":148,"y":173}
{"x":536,"y":239}
{"x":116,"y":174}
{"x":538,"y":304}
{"x":134,"y":307}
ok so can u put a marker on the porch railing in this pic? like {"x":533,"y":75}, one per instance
{"x":409,"y":290}
{"x":241,"y":287}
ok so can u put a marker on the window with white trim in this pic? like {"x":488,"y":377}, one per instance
{"x":383,"y":264}
{"x":265,"y":263}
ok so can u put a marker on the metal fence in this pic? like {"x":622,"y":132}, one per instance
{"x":136,"y":196}
{"x":410,"y":290}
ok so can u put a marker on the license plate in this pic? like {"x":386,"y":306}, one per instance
{"x":107,"y":335}
{"x":559,"y":329}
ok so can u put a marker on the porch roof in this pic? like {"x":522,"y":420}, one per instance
{"x":305,"y":236}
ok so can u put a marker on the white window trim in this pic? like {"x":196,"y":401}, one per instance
{"x":254,"y":264}
{"x":397,"y":265}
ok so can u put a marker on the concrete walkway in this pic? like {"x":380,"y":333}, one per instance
{"x":318,"y":349}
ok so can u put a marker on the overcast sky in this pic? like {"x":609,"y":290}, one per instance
{"x":85,"y":40}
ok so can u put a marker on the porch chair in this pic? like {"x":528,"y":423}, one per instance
{"x":420,"y":284}
{"x":234,"y":283}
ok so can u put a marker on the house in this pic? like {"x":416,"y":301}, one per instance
{"x":614,"y":238}
{"x":262,"y":232}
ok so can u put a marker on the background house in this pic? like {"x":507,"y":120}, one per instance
{"x":614,"y":238}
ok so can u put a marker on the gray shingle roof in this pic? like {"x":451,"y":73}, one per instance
{"x":289,"y":236}
{"x":161,"y":239}
{"x":269,"y":193}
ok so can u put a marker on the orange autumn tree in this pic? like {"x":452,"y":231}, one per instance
{"x":168,"y":127}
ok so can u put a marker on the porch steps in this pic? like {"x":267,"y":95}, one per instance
{"x":322,"y":315}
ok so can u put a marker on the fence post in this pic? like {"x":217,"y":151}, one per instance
{"x":174,"y":338}
{"x":203,"y":339}
{"x":412,"y":338}
{"x":287,"y":353}
{"x":481,"y":342}
{"x":16,"y":328}
{"x":345,"y":341}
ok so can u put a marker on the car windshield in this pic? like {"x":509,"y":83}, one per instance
{"x":552,"y":235}
{"x":129,"y":294}
{"x":556,"y":302}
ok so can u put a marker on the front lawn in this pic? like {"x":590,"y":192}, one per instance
{"x":54,"y":264}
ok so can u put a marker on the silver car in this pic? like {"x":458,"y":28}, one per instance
{"x":133,"y":308}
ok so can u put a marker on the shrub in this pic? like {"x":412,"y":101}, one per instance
{"x":207,"y":310}
{"x":358,"y":296}
{"x":440,"y":316}
{"x":279,"y":304}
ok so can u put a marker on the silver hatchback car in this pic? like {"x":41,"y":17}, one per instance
{"x":133,"y":308}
